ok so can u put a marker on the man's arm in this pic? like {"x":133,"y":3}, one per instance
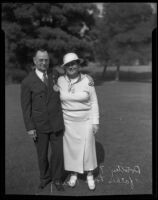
{"x":26,"y":100}
{"x":55,"y":75}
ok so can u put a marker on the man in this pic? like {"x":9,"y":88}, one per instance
{"x":43,"y":119}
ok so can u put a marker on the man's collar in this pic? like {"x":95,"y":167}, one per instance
{"x":39,"y":73}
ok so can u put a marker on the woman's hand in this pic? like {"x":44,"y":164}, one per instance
{"x":95,"y":128}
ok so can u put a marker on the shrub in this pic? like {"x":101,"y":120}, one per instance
{"x":15,"y":75}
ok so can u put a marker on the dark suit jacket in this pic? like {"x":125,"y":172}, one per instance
{"x":41,"y":105}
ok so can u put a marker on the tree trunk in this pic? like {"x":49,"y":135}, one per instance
{"x":117,"y":73}
{"x":104,"y":71}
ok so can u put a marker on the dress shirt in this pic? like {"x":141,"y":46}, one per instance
{"x":39,"y":74}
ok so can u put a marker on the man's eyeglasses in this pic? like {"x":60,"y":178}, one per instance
{"x":43,"y":60}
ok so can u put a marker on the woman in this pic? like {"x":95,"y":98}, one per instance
{"x":81,"y":118}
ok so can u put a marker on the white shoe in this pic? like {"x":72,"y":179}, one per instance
{"x":91,"y":182}
{"x":72,"y":181}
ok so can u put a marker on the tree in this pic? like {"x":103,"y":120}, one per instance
{"x":125,"y":34}
{"x":55,"y":26}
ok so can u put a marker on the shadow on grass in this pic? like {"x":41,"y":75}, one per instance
{"x":100,"y":157}
{"x":124,"y":76}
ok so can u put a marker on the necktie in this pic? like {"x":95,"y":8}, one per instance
{"x":45,"y":79}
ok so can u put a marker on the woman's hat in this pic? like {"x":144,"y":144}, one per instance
{"x":69,"y":57}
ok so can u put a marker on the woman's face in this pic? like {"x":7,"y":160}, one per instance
{"x":72,"y":69}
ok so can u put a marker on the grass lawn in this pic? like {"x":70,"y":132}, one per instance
{"x":123,"y":143}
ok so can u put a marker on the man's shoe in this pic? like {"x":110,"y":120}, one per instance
{"x":59,"y":186}
{"x":43,"y":184}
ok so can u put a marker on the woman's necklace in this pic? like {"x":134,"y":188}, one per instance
{"x":71,"y":84}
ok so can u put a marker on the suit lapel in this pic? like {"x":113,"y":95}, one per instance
{"x":39,"y":83}
{"x":48,"y":89}
{"x":50,"y":86}
{"x":37,"y":79}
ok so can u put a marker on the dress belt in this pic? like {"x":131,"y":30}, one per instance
{"x":76,"y":110}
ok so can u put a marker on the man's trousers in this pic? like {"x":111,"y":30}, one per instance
{"x":55,"y":168}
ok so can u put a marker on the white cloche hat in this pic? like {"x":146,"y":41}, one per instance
{"x":69,"y":57}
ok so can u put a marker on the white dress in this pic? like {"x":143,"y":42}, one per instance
{"x":80,"y":111}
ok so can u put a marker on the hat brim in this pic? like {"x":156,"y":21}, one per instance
{"x":79,"y":60}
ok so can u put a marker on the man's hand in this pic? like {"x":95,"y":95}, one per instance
{"x":33,"y":134}
{"x":95,"y":128}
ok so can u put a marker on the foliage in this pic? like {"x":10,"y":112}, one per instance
{"x":125,"y":33}
{"x":54,"y":26}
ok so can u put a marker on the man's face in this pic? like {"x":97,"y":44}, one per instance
{"x":41,"y":60}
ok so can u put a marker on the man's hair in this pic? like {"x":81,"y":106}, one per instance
{"x":42,"y":50}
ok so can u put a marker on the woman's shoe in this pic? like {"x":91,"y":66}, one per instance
{"x":91,"y":182}
{"x":73,"y":180}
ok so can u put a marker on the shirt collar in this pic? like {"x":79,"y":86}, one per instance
{"x":39,"y":73}
{"x":75,"y":80}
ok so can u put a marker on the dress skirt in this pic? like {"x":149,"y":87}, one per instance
{"x":79,"y":146}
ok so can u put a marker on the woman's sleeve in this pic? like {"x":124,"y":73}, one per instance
{"x":59,"y":81}
{"x":94,"y":104}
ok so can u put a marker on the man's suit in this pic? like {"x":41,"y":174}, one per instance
{"x":42,"y":111}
